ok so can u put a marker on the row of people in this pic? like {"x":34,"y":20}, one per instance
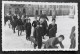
{"x":51,"y":32}
{"x":41,"y":28}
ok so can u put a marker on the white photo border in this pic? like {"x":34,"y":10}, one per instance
{"x":42,"y":3}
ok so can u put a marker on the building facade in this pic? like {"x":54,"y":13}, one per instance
{"x":32,"y":10}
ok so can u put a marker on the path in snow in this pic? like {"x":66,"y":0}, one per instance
{"x":13,"y":41}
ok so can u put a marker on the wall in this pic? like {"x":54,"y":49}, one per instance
{"x":31,"y":9}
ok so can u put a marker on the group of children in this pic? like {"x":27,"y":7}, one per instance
{"x":41,"y":29}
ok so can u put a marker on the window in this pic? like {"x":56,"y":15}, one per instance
{"x":50,"y":12}
{"x":24,"y":11}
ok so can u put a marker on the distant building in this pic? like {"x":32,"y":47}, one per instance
{"x":29,"y":9}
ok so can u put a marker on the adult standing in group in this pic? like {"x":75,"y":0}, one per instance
{"x":45,"y":25}
{"x":38,"y":33}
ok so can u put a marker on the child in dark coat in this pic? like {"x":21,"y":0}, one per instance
{"x":19,"y":25}
{"x":28,"y":28}
{"x":38,"y":33}
{"x":14,"y":22}
{"x":52,"y":42}
{"x":44,"y":24}
{"x":52,"y":29}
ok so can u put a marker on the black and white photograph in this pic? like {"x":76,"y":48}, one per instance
{"x":34,"y":26}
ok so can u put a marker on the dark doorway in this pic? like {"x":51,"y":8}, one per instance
{"x":50,"y":12}
{"x":24,"y":11}
{"x":40,"y":12}
{"x":36,"y":12}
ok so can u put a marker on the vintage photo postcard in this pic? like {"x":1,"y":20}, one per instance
{"x":39,"y":26}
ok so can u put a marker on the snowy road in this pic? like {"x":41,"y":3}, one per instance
{"x":11,"y":41}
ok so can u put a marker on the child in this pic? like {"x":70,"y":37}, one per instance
{"x":19,"y":25}
{"x":52,"y":29}
{"x":44,"y":24}
{"x":28,"y":28}
{"x":72,"y":37}
{"x":38,"y":33}
{"x":52,"y":42}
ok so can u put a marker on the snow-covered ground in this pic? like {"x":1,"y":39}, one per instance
{"x":11,"y":41}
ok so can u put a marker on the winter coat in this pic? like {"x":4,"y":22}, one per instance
{"x":52,"y":30}
{"x":43,"y":28}
{"x":34,"y":24}
{"x":19,"y":24}
{"x":45,"y":25}
{"x":38,"y":33}
{"x":28,"y":28}
{"x":52,"y":42}
{"x":14,"y":21}
{"x":15,"y":17}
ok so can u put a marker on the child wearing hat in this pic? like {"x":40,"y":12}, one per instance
{"x":44,"y":24}
{"x":38,"y":33}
